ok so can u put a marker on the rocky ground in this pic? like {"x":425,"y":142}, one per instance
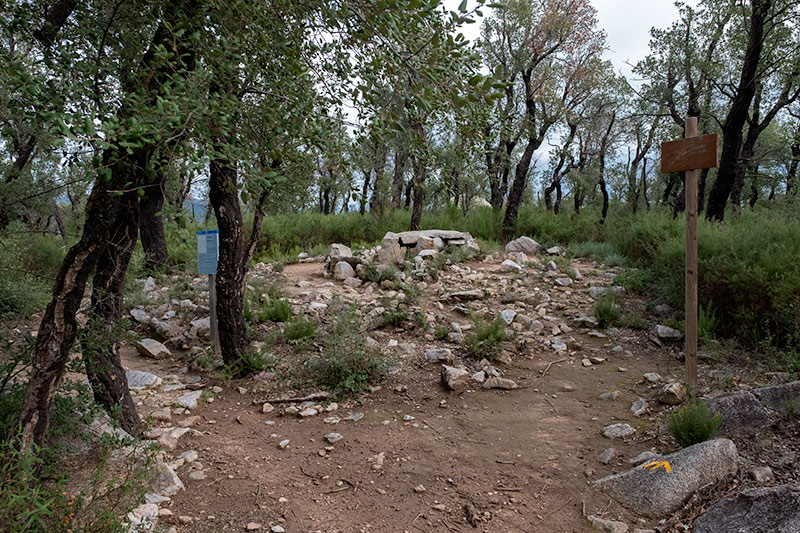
{"x":513,"y":441}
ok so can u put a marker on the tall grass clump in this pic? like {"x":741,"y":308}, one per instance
{"x":27,"y":267}
{"x":484,"y":337}
{"x":693,"y":423}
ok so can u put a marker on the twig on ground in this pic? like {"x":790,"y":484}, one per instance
{"x":554,"y":511}
{"x":551,"y":363}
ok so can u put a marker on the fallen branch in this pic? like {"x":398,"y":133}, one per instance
{"x":551,"y":363}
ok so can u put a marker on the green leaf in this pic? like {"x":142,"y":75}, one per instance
{"x":463,"y":7}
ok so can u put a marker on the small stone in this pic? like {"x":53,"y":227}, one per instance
{"x":305,"y":413}
{"x":639,"y":407}
{"x":197,"y":475}
{"x":408,"y":418}
{"x":510,"y":266}
{"x":673,"y":394}
{"x":454,"y":378}
{"x":558,"y":345}
{"x":609,"y":526}
{"x":508,"y":315}
{"x":283,"y":444}
{"x":152,"y":348}
{"x":596,"y":292}
{"x":652,"y":377}
{"x":267,"y":408}
{"x":666,"y":333}
{"x":252,"y":526}
{"x":439,"y":354}
{"x":586,"y":363}
{"x":333,"y":438}
{"x":613,"y":395}
{"x":419,"y":489}
{"x":189,"y":399}
{"x":500,"y":383}
{"x":277,"y":529}
{"x":564,"y":282}
{"x":189,"y":456}
{"x":186,"y":520}
{"x":607,"y":455}
{"x":618,"y":431}
{"x":343,"y":271}
{"x":762,"y":474}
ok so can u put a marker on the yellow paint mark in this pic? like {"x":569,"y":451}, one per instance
{"x":655,"y":465}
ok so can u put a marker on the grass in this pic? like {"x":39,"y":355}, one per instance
{"x":693,"y":423}
{"x":606,"y":310}
{"x":299,"y":328}
{"x":484,"y":337}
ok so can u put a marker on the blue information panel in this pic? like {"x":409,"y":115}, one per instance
{"x":207,"y":251}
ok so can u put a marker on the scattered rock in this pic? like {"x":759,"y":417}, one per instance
{"x":613,"y":395}
{"x":508,"y":315}
{"x":666,"y":333}
{"x":283,"y":444}
{"x":555,"y":250}
{"x":333,"y":438}
{"x":523,"y":244}
{"x":343,"y":271}
{"x":152,"y":348}
{"x":167,"y":482}
{"x":760,"y":510}
{"x":655,"y":493}
{"x":454,"y":378}
{"x":510,"y":266}
{"x":500,"y":383}
{"x":673,"y":394}
{"x":664,"y":309}
{"x":609,"y":526}
{"x":597,"y":292}
{"x":652,"y":377}
{"x":252,"y":526}
{"x":644,"y":457}
{"x":138,"y":380}
{"x":188,"y":400}
{"x":762,"y":474}
{"x":607,"y":455}
{"x":742,"y":413}
{"x":439,"y":354}
{"x":564,"y":282}
{"x":340,"y":250}
{"x":586,"y":322}
{"x":618,"y":431}
{"x":639,"y":407}
{"x":777,"y":398}
{"x":419,"y":489}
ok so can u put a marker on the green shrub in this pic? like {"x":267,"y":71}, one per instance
{"x":346,"y":365}
{"x":693,"y":423}
{"x":299,"y":328}
{"x":484,"y":337}
{"x":606,"y":309}
{"x":251,"y":362}
{"x":441,"y":332}
{"x":395,"y":317}
{"x":634,"y":279}
{"x":602,"y":252}
{"x":706,"y":322}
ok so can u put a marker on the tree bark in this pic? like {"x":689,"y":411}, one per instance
{"x":100,"y":350}
{"x":400,"y":157}
{"x":154,"y":238}
{"x":518,"y":186}
{"x":362,"y":208}
{"x":737,"y":113}
{"x":224,"y":196}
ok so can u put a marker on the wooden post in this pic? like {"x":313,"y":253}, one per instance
{"x":212,"y":305}
{"x":690,"y":188}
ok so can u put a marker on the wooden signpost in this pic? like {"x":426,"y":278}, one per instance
{"x":689,"y":155}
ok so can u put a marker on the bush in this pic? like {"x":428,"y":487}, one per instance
{"x":693,"y":423}
{"x":279,"y":310}
{"x":441,"y":332}
{"x":602,"y":252}
{"x":606,"y":310}
{"x":483,"y":338}
{"x":299,"y":328}
{"x":346,"y":365}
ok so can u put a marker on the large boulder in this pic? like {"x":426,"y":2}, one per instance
{"x":778,"y":397}
{"x":391,"y":253}
{"x":525,"y":245}
{"x":742,"y":413}
{"x":658,"y":492}
{"x":761,"y":510}
{"x":454,"y":378}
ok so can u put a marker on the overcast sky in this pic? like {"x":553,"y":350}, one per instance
{"x":627,"y":24}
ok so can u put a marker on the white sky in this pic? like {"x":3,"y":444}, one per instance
{"x":627,"y":24}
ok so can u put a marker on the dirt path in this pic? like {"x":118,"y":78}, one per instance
{"x":514,"y":460}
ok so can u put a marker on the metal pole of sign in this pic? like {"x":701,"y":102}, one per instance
{"x":212,"y":304}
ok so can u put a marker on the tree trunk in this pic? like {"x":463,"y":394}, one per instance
{"x":419,"y":176}
{"x":701,"y":189}
{"x":154,"y":239}
{"x":58,"y":326}
{"x":518,"y":186}
{"x":362,"y":208}
{"x":738,"y":112}
{"x":100,"y":350}
{"x":377,"y":201}
{"x":791,"y":175}
{"x":644,"y":185}
{"x":223,"y":192}
{"x":400,"y":157}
